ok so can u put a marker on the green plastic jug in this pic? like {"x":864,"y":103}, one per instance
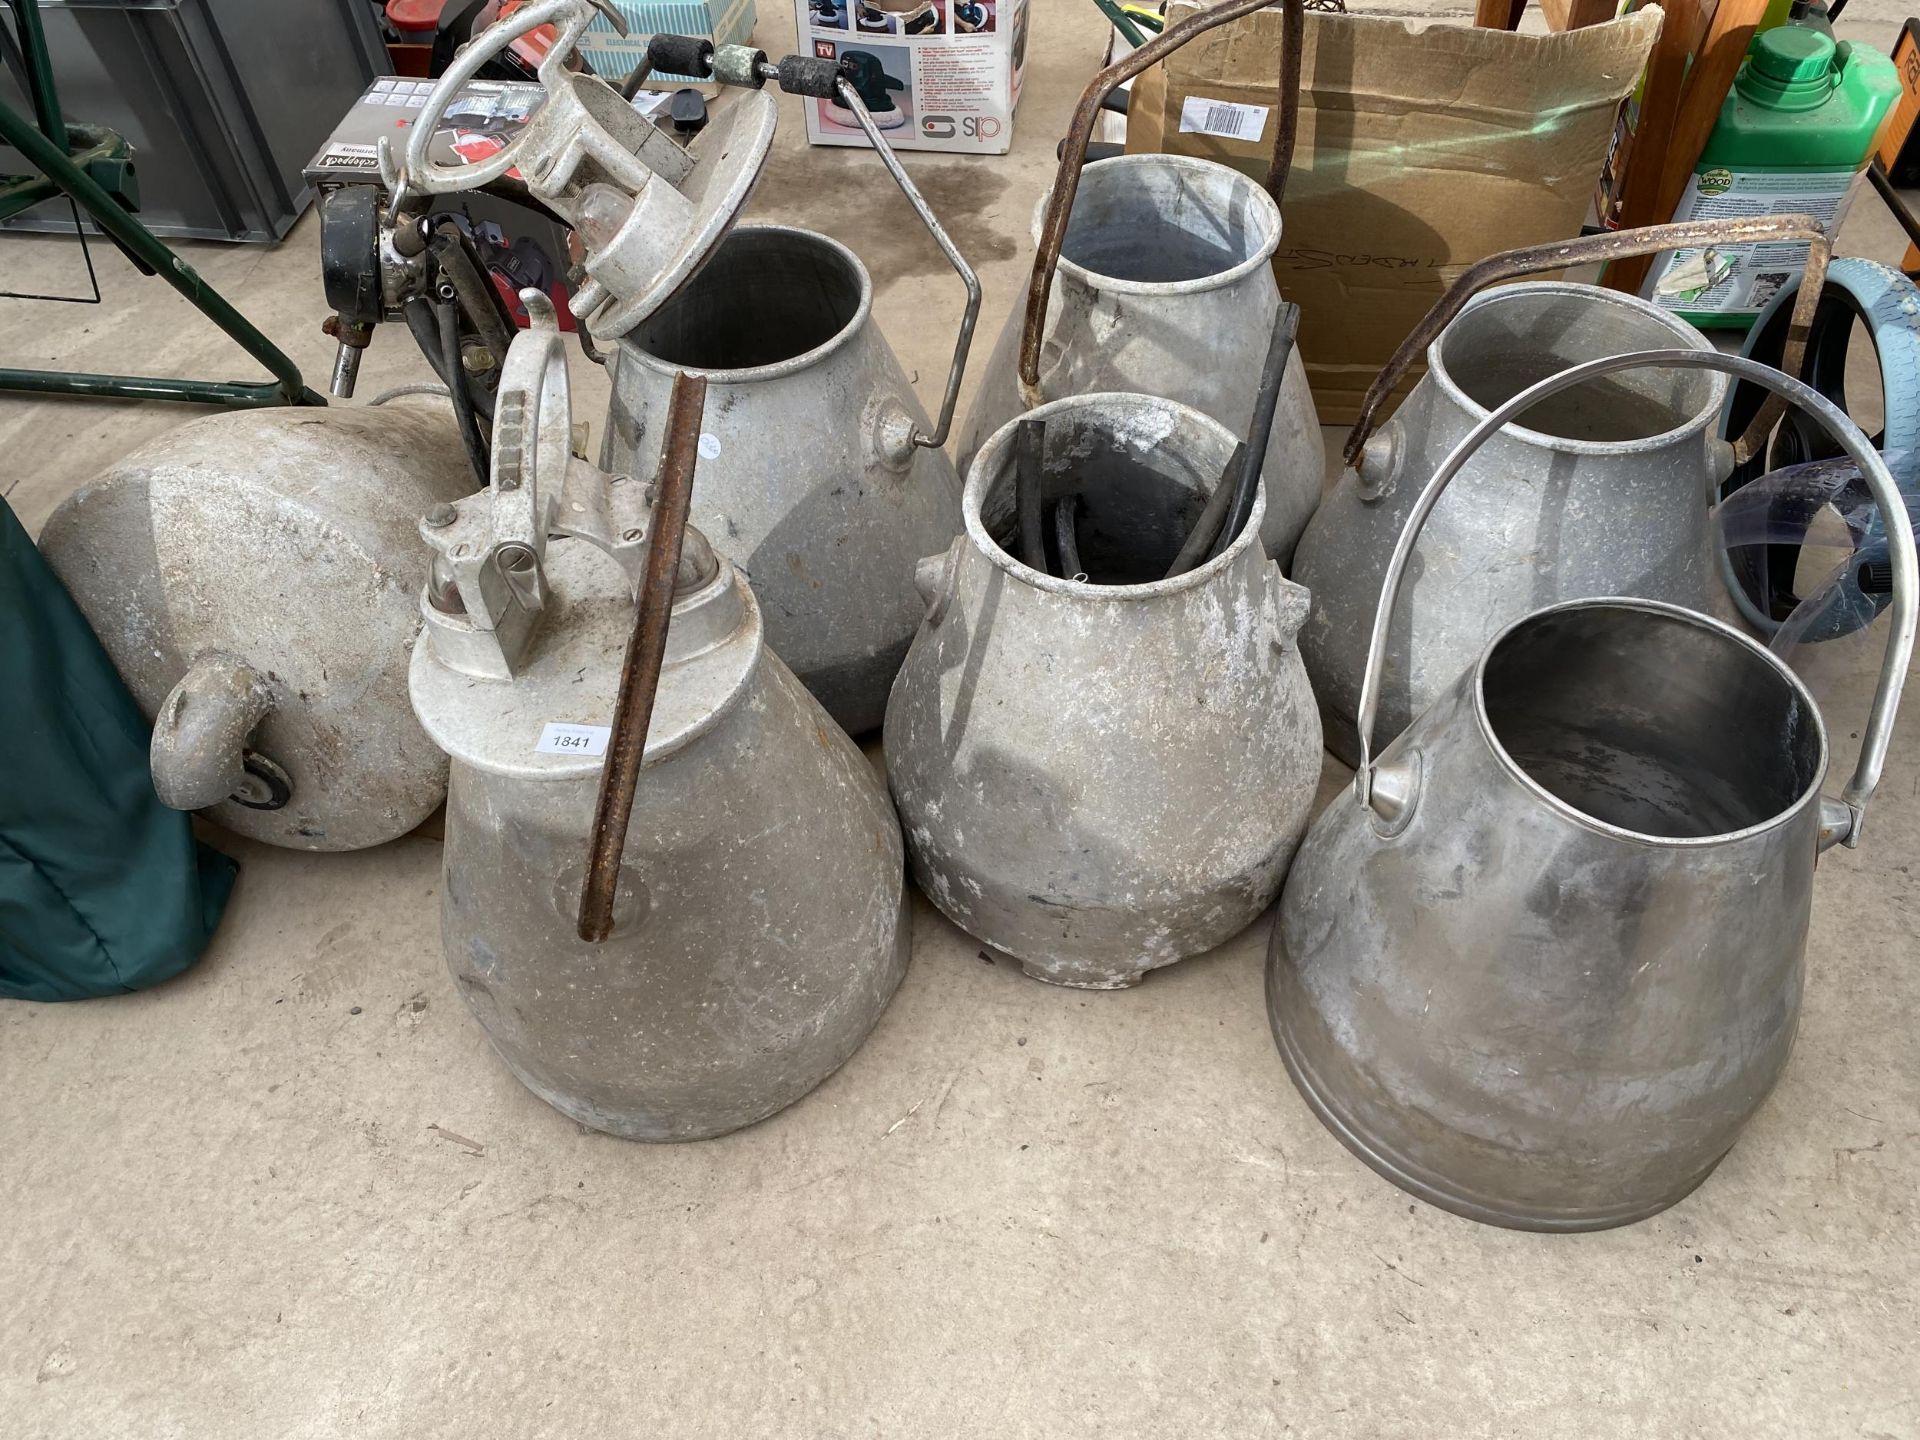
{"x":1793,"y":136}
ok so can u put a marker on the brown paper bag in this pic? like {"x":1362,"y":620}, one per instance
{"x":1420,"y":152}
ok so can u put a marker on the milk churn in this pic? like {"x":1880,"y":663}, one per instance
{"x":821,"y":476}
{"x":1603,"y":491}
{"x":254,"y":576}
{"x":687,"y":935}
{"x":1165,"y":287}
{"x":1544,"y":961}
{"x":1100,"y":769}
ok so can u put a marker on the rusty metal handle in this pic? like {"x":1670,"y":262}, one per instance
{"x":646,"y":653}
{"x":1618,"y":245}
{"x":1073,"y":153}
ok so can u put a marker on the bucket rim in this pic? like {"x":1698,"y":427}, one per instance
{"x":1685,"y":338}
{"x":1787,"y":813}
{"x":1232,"y":275}
{"x":973,"y":497}
{"x":778,"y":369}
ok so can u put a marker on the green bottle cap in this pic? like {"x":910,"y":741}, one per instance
{"x":1788,"y":68}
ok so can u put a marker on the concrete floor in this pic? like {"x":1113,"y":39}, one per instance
{"x":294,"y":1194}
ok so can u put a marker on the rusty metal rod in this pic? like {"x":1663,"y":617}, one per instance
{"x":1618,"y":245}
{"x":1293,"y":40}
{"x":646,"y":652}
{"x":1073,"y":155}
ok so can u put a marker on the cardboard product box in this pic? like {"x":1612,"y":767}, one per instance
{"x":520,"y":245}
{"x":728,"y":22}
{"x":1419,"y":153}
{"x":937,"y":74}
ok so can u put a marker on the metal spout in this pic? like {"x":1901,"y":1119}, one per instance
{"x":199,"y":737}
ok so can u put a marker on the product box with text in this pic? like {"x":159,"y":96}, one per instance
{"x":936,"y":74}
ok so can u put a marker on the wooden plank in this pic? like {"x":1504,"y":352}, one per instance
{"x":1715,"y":63}
{"x":1581,"y":13}
{"x":1499,"y":14}
{"x":1682,"y":27}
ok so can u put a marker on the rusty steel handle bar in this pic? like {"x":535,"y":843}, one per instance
{"x":646,"y":653}
{"x":971,"y":316}
{"x":1073,"y":154}
{"x":1618,"y":245}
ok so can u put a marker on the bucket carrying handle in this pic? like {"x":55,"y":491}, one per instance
{"x":1618,"y":245}
{"x":1073,"y":154}
{"x":1841,"y":820}
{"x":970,"y":317}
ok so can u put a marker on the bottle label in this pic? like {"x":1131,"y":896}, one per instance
{"x":1737,"y":281}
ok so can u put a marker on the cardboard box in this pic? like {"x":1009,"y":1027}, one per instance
{"x":937,"y":74}
{"x":728,"y":22}
{"x":1419,"y":152}
{"x":519,"y":245}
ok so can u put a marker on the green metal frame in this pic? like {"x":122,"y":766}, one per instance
{"x":48,"y":143}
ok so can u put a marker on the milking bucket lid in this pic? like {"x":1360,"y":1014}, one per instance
{"x":728,"y":156}
{"x":571,"y":676}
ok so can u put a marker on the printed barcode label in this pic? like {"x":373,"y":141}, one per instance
{"x":1199,"y":115}
{"x":558,"y":739}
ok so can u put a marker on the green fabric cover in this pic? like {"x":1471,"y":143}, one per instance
{"x":103,"y":890}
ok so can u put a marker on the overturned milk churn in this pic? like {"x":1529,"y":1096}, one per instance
{"x":1153,"y":274}
{"x":255,"y":578}
{"x":1102,"y":744}
{"x":674,"y":895}
{"x":821,"y":476}
{"x":1603,"y":490}
{"x":1544,"y":960}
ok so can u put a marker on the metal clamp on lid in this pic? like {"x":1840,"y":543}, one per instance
{"x":487,"y":589}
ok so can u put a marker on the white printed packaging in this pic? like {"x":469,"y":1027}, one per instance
{"x":936,"y":74}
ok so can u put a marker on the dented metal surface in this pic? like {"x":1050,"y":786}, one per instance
{"x":1100,"y":779}
{"x":810,"y":477}
{"x":255,"y":579}
{"x":1604,"y":490}
{"x":1165,"y":288}
{"x":758,"y":896}
{"x":759,"y":911}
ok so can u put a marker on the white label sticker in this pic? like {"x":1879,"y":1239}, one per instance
{"x":559,"y":739}
{"x":1199,"y":115}
{"x":709,"y":447}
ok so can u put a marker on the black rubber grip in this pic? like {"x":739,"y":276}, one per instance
{"x":808,"y":75}
{"x":681,"y":55}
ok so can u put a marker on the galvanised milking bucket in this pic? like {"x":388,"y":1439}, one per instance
{"x":1165,"y":287}
{"x":1104,"y":770}
{"x":1604,"y":490}
{"x":1544,"y":961}
{"x":810,"y":480}
{"x":720,"y":948}
{"x":255,"y":577}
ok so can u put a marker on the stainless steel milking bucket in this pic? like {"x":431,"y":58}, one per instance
{"x":1165,"y":287}
{"x":1544,"y":961}
{"x":817,"y":477}
{"x":1604,"y":490}
{"x":254,"y":576}
{"x":1104,"y":770}
{"x":687,"y":935}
